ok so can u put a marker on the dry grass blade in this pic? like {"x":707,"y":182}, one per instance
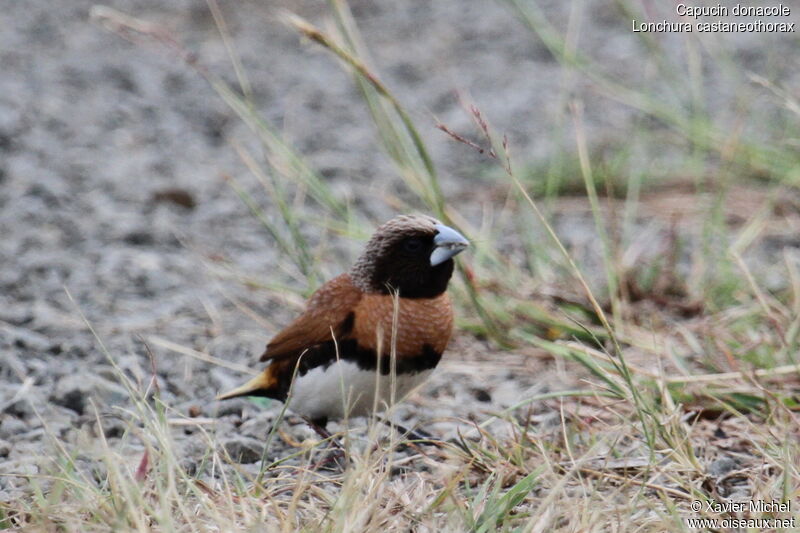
{"x":200,"y":356}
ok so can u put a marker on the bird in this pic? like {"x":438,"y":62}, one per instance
{"x":370,"y":335}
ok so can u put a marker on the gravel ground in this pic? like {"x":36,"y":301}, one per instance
{"x":94,"y":130}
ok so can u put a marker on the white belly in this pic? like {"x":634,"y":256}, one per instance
{"x":319,"y":393}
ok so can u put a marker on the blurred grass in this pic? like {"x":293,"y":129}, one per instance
{"x":669,"y":349}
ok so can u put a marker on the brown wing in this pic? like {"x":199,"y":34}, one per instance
{"x":329,"y":308}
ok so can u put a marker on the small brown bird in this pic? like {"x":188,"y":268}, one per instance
{"x":339,"y":349}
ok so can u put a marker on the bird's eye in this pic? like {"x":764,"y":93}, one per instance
{"x":413,"y":245}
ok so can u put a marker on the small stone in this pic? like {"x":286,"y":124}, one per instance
{"x":74,"y":400}
{"x":722,"y":466}
{"x":139,"y":238}
{"x":176,"y":196}
{"x":55,"y":349}
{"x":113,"y":428}
{"x":20,"y":409}
{"x":482,"y":395}
{"x":11,"y":426}
{"x":189,"y":466}
{"x":25,"y":339}
{"x":231,"y":408}
{"x":73,"y":391}
{"x":244,"y":450}
{"x":19,"y":468}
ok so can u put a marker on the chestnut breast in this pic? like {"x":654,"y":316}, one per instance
{"x":420,"y":322}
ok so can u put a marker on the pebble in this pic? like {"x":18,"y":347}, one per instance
{"x":244,"y":449}
{"x":722,"y":466}
{"x":11,"y":427}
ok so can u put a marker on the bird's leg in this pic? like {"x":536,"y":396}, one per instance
{"x":337,"y":453}
{"x":318,"y":425}
{"x":418,"y":435}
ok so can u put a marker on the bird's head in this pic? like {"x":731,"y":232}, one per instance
{"x":412,"y":254}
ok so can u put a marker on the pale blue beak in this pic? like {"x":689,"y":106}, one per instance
{"x":447,"y":243}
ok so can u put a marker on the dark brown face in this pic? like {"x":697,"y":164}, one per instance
{"x":406,"y":267}
{"x":412,"y":255}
